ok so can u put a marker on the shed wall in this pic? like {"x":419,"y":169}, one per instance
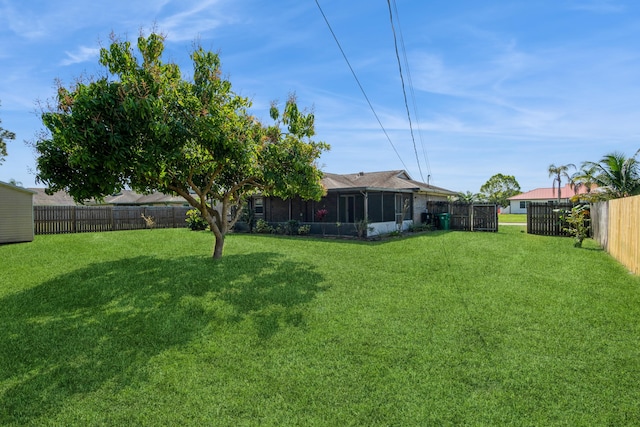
{"x":16,"y":215}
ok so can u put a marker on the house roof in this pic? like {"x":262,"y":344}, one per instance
{"x":395,"y":179}
{"x":124,"y":197}
{"x":130,"y":197}
{"x":16,"y":187}
{"x":550,"y":193}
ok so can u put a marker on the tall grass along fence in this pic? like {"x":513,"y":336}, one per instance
{"x":467,"y":216}
{"x":546,"y":219}
{"x":80,"y":219}
{"x":616,"y":227}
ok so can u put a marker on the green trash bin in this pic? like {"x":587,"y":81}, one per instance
{"x":444,"y":220}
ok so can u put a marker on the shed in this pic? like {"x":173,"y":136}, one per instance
{"x":16,"y":214}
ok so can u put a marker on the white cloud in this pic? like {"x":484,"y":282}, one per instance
{"x":82,"y":54}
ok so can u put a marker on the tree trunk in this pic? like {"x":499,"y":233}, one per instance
{"x":218,"y":247}
{"x":218,"y":234}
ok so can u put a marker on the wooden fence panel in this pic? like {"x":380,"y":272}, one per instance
{"x":92,"y":219}
{"x":624,"y":232}
{"x":54,"y":219}
{"x":81,"y":219}
{"x":546,"y":218}
{"x":467,"y":216}
{"x":599,"y":223}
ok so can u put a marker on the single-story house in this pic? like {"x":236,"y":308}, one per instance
{"x":123,"y":198}
{"x":389,"y":200}
{"x":518,"y":204}
{"x":16,"y":214}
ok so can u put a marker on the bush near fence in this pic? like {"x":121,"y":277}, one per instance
{"x":81,"y":219}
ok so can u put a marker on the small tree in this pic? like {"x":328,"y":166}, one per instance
{"x":499,"y":188}
{"x":578,"y":223}
{"x":4,"y":136}
{"x":145,"y":127}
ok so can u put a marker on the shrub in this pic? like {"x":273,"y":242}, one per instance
{"x":194,"y":220}
{"x":303,"y":230}
{"x":578,"y":223}
{"x":291,"y":227}
{"x":263,"y":227}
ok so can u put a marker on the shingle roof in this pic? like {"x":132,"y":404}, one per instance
{"x":125,"y":197}
{"x":549,"y":193}
{"x":395,"y":179}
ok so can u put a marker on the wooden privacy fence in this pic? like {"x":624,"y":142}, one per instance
{"x":467,"y":216}
{"x":81,"y":219}
{"x":621,"y":238}
{"x":546,"y":218}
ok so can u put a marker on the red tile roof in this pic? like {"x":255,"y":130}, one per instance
{"x":550,"y":193}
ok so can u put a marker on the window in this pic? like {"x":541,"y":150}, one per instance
{"x":523,"y":205}
{"x":258,"y":207}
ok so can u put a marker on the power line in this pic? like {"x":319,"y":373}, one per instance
{"x":404,"y":92}
{"x":359,"y":85}
{"x":412,"y":92}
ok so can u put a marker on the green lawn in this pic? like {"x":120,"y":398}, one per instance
{"x":446,"y":328}
{"x":512,"y":218}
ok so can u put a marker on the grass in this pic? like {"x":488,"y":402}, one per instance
{"x":512,"y":218}
{"x":446,"y":328}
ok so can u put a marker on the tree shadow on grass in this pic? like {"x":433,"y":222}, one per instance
{"x":101,"y":324}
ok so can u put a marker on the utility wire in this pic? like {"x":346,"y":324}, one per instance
{"x":412,"y":92}
{"x":360,"y":85}
{"x":404,"y":92}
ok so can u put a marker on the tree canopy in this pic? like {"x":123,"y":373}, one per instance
{"x":499,"y":188}
{"x":615,"y":174}
{"x":5,"y":135}
{"x":145,"y":127}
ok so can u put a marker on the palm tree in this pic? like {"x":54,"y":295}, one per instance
{"x":558,"y":172}
{"x":467,"y":197}
{"x":618,"y":175}
{"x":585,"y":177}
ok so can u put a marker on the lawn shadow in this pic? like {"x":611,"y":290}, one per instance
{"x":101,"y":324}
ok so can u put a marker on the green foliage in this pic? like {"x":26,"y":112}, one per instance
{"x":499,"y":188}
{"x":263,"y":227}
{"x":303,"y":230}
{"x":195,"y":221}
{"x":616,"y":175}
{"x":145,"y":127}
{"x":291,"y":227}
{"x":363,"y":226}
{"x":578,"y":222}
{"x":468,"y":197}
{"x":4,"y":136}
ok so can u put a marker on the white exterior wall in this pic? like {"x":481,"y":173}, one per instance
{"x":514,"y":205}
{"x":16,"y":214}
{"x":382,"y":228}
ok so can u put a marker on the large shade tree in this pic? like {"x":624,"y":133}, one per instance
{"x":5,"y":135}
{"x":616,"y":174}
{"x":499,"y":188}
{"x":146,"y":127}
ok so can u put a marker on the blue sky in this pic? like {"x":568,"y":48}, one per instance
{"x":496,"y":86}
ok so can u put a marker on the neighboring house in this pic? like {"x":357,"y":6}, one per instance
{"x":389,"y":200}
{"x":518,"y":204}
{"x":123,"y":198}
{"x":131,"y":198}
{"x":16,"y":214}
